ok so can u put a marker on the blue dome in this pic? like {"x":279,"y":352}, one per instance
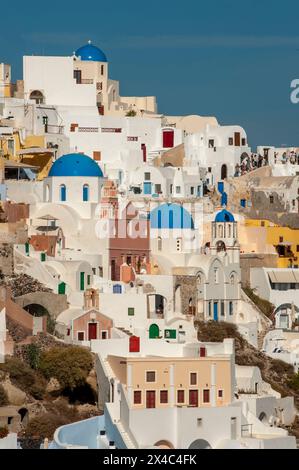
{"x":170,"y":216}
{"x":224,"y":216}
{"x":75,"y":164}
{"x":91,"y":52}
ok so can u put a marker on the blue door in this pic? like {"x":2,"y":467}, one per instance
{"x":215,"y":311}
{"x":147,"y":188}
{"x":220,"y":187}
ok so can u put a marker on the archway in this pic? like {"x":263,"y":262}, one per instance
{"x":220,"y":246}
{"x":200,"y":444}
{"x":164,"y":444}
{"x":36,"y":310}
{"x":154,"y":331}
{"x":263,"y":418}
{"x":23,"y":412}
{"x":37,"y":96}
{"x":223,"y":172}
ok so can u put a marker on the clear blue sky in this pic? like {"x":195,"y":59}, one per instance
{"x":229,"y":58}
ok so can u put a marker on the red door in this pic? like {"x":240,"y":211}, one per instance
{"x":168,"y":139}
{"x":92,"y":331}
{"x":193,"y":397}
{"x":143,"y":148}
{"x":150,"y":399}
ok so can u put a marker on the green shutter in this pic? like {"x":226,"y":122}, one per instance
{"x":82,"y":283}
{"x":131,"y":311}
{"x":88,"y":279}
{"x":170,"y":334}
{"x":43,"y":256}
{"x":61,"y":288}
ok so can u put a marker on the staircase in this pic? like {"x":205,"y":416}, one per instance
{"x":127,"y":332}
{"x":125,"y":436}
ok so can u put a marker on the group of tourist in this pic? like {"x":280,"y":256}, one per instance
{"x":287,"y":157}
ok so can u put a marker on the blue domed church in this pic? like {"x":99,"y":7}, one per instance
{"x":74,"y":178}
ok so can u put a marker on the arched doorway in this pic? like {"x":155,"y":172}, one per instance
{"x":23,"y":412}
{"x":223,"y":172}
{"x":154,"y":331}
{"x":200,"y":444}
{"x":164,"y":444}
{"x":263,"y":418}
{"x":37,"y":96}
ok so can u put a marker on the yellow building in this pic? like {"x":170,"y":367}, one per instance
{"x":281,"y":240}
{"x":160,"y":382}
{"x":31,"y":151}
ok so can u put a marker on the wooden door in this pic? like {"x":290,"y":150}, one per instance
{"x":151,"y":399}
{"x":237,"y":139}
{"x":92,"y":331}
{"x":193,"y":397}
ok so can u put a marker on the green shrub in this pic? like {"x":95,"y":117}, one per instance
{"x":265,"y":307}
{"x":131,"y":113}
{"x":44,"y":426}
{"x":3,"y":397}
{"x":23,"y":377}
{"x":33,"y":355}
{"x":3,"y":432}
{"x":70,"y":366}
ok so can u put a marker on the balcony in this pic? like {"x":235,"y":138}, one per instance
{"x":53,"y":129}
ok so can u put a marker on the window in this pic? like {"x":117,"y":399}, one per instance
{"x":193,"y":378}
{"x":271,"y":199}
{"x":88,"y":279}
{"x":280,"y":239}
{"x":62,"y":193}
{"x":97,"y":156}
{"x":199,"y":422}
{"x":297,"y":248}
{"x":137,"y":397}
{"x":178,"y":189}
{"x":210,"y":309}
{"x":85,"y":195}
{"x":163,"y":396}
{"x":211,"y":143}
{"x":231,"y":308}
{"x":102,"y":69}
{"x":243,"y":142}
{"x":147,"y":176}
{"x":209,"y":169}
{"x":151,"y":376}
{"x":159,"y":244}
{"x":181,"y":396}
{"x":262,"y":223}
{"x":220,"y":393}
{"x":158,"y":189}
{"x":192,"y":190}
{"x":131,"y":311}
{"x":222,"y":309}
{"x":77,"y":76}
{"x":206,"y":396}
{"x":230,"y":141}
{"x":171,"y":188}
{"x":80,"y":335}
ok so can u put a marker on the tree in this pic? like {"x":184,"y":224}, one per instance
{"x":131,"y":113}
{"x":3,"y":396}
{"x":70,"y":366}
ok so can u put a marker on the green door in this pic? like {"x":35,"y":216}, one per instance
{"x":27,"y":248}
{"x":61,"y":288}
{"x":82,"y":284}
{"x":154,"y":331}
{"x":43,"y":256}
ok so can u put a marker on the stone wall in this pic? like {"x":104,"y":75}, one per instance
{"x":53,"y":303}
{"x":255,"y":260}
{"x":188,"y":291}
{"x":6,"y":259}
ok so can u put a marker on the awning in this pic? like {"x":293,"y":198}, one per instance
{"x":13,"y":164}
{"x":47,"y":217}
{"x":284,"y":277}
{"x":33,"y":150}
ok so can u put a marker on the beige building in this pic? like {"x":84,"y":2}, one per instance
{"x":162,"y":382}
